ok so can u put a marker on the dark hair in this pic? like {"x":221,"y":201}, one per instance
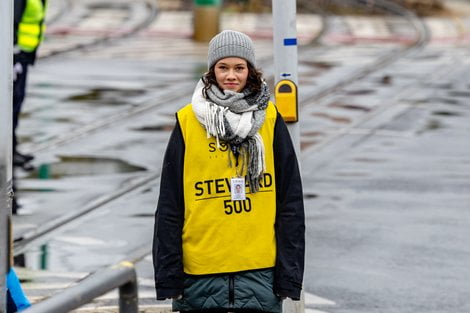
{"x":254,"y":80}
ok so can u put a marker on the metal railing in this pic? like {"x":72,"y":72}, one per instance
{"x":122,"y":276}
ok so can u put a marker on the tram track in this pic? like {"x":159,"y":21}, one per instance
{"x":149,"y":105}
{"x":44,"y":231}
{"x":88,"y":10}
{"x":336,"y":143}
{"x":64,"y":6}
{"x":103,"y":122}
{"x":146,"y":106}
{"x":149,"y":179}
{"x":21,"y":244}
{"x":422,"y":38}
{"x":370,"y":123}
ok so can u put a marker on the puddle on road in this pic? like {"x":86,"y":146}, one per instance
{"x":355,"y":107}
{"x":368,"y":160}
{"x":443,"y":100}
{"x":334,"y":118}
{"x":60,"y":256}
{"x":65,"y":120}
{"x":360,"y":92}
{"x":25,"y":138}
{"x":314,"y":133}
{"x":459,"y":93}
{"x":386,"y":80}
{"x":108,"y":5}
{"x":109,"y":96}
{"x":81,"y":166}
{"x":426,"y":56}
{"x":446,"y":113}
{"x":24,"y":115}
{"x":433,"y":124}
{"x":144,"y":215}
{"x":352,"y":174}
{"x":318,"y":64}
{"x":439,"y":85}
{"x":199,"y":70}
{"x":306,"y":144}
{"x":29,"y":189}
{"x":164,"y":127}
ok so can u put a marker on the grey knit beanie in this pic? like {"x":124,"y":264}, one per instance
{"x":230,"y":43}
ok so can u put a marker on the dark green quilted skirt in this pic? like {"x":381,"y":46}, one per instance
{"x":251,"y":290}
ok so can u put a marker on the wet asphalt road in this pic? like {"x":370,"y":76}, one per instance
{"x":388,"y":214}
{"x":387,"y":198}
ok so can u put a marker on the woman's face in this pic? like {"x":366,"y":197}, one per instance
{"x":231,"y":73}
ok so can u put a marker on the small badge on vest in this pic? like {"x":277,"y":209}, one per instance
{"x":237,"y":186}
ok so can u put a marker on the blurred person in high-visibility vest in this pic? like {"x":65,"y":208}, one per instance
{"x":28,"y":34}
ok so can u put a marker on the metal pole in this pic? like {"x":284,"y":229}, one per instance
{"x":285,"y":67}
{"x":285,"y":52}
{"x":206,"y":19}
{"x":128,"y":300}
{"x":6,"y":68}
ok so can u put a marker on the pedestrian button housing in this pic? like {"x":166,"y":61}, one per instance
{"x":286,"y":100}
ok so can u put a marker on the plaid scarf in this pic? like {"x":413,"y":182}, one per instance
{"x":235,"y":118}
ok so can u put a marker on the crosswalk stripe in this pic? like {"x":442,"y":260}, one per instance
{"x":314,"y":311}
{"x":314,"y":300}
{"x":368,"y":27}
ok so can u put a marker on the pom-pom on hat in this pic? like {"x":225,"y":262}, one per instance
{"x":230,"y":43}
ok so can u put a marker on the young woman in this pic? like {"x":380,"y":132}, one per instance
{"x":218,"y":247}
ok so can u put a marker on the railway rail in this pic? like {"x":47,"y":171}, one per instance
{"x":151,"y":179}
{"x":323,"y":97}
{"x":148,"y":105}
{"x":64,"y":24}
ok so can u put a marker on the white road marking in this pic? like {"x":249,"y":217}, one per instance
{"x":145,"y":294}
{"x":314,"y":311}
{"x":147,"y":282}
{"x":367,"y":27}
{"x":31,"y":273}
{"x":142,"y":308}
{"x":441,"y":28}
{"x":314,"y":300}
{"x":82,"y":241}
{"x":47,"y":286}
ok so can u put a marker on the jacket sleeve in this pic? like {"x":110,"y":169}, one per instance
{"x":290,"y":217}
{"x":16,"y":298}
{"x":169,"y":217}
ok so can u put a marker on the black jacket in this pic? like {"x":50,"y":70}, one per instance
{"x":289,"y":226}
{"x":19,"y":7}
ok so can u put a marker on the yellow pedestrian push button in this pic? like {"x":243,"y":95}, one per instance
{"x":286,"y":100}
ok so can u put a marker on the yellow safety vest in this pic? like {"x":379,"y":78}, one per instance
{"x":221,"y":235}
{"x":31,"y":28}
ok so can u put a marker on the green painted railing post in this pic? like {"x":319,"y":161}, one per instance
{"x":44,"y":171}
